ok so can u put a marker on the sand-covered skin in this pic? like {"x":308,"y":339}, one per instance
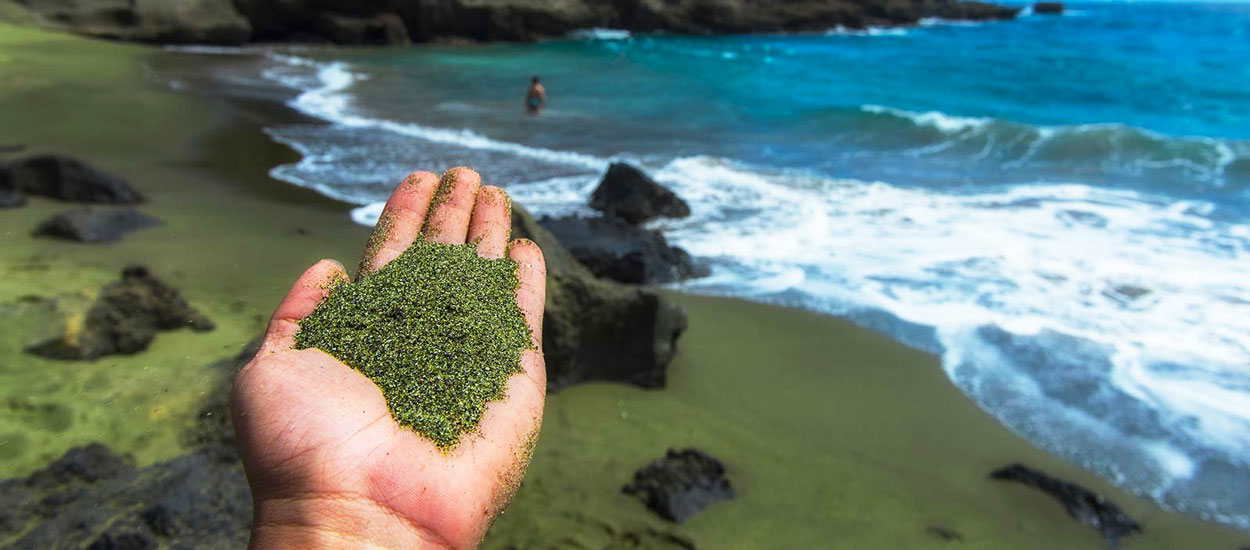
{"x":437,"y":329}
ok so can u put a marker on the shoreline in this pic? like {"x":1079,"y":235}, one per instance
{"x":881,"y":467}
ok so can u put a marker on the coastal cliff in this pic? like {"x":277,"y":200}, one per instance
{"x":380,"y":22}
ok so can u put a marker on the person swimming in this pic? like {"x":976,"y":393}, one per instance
{"x":535,"y":97}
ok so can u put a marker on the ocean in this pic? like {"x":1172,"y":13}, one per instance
{"x":1058,"y":206}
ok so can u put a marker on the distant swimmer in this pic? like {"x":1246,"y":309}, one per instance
{"x":535,"y":97}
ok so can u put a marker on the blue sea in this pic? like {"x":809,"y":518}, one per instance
{"x":1058,"y":206}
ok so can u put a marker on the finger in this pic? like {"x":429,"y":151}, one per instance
{"x":305,"y":294}
{"x":491,"y":222}
{"x":448,"y":219}
{"x":400,"y":222}
{"x":531,"y":292}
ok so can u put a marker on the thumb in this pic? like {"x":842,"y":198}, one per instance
{"x":308,"y":291}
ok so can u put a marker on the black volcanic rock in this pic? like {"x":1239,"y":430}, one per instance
{"x":385,"y":29}
{"x":1052,"y":8}
{"x":1082,"y":504}
{"x":226,"y":22}
{"x":629,"y":193}
{"x":94,"y":225}
{"x":93,"y":498}
{"x":161,"y":21}
{"x":10,"y":198}
{"x":123,"y":319}
{"x":625,"y":253}
{"x":65,"y":178}
{"x":681,"y":484}
{"x":596,"y":329}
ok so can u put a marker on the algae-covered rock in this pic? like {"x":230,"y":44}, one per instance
{"x":595,"y":329}
{"x":124,"y":318}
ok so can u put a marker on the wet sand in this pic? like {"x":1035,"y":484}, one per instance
{"x":834,"y":436}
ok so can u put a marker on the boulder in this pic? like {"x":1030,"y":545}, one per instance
{"x":124,"y":319}
{"x":970,"y":11}
{"x":681,"y":484}
{"x":10,"y":198}
{"x":94,"y":225}
{"x":1082,"y":504}
{"x":376,"y":30}
{"x":625,"y":253}
{"x":163,"y":21}
{"x":628,"y":193}
{"x":1050,"y":8}
{"x":93,"y":498}
{"x":65,"y":178}
{"x":595,"y":329}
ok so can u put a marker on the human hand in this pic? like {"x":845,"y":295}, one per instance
{"x":328,"y":466}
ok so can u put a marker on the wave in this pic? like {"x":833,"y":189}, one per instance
{"x":1108,"y":148}
{"x":1076,"y":315}
{"x":331,"y":102}
{"x":1103,"y":324}
{"x":206,"y":50}
{"x":600,"y":33}
{"x":841,"y":30}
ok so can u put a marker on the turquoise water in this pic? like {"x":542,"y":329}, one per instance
{"x":1058,"y":206}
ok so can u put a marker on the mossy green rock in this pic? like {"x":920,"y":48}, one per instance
{"x":438,"y":330}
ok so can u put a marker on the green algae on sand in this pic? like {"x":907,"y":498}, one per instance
{"x":437,"y":329}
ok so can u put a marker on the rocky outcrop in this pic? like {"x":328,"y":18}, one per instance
{"x":94,"y":225}
{"x":123,"y":319}
{"x":681,"y":484}
{"x":385,"y":29}
{"x":630,"y":194}
{"x":613,"y":249}
{"x":1051,"y":8}
{"x":595,"y":329}
{"x":163,"y":21}
{"x":374,"y":21}
{"x":65,"y":178}
{"x":93,"y":498}
{"x":1083,"y":505}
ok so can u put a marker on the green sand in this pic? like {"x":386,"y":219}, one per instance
{"x":437,"y":329}
{"x":833,"y":436}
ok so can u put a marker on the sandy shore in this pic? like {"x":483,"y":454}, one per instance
{"x":834,"y":436}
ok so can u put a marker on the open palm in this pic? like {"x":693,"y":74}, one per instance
{"x":327,"y":464}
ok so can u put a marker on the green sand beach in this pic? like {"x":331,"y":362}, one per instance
{"x":833,"y":436}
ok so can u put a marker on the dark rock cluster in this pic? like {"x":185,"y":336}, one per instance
{"x":1083,"y":505}
{"x":93,"y":498}
{"x":616,"y":250}
{"x":63,"y":178}
{"x":1052,"y":8}
{"x":399,"y":21}
{"x":681,"y":484}
{"x":615,"y":246}
{"x":597,"y":329}
{"x":124,"y":319}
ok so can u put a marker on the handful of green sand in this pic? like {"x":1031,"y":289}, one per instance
{"x":437,"y":329}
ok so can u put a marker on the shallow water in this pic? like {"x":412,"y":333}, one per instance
{"x":1059,"y":206}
